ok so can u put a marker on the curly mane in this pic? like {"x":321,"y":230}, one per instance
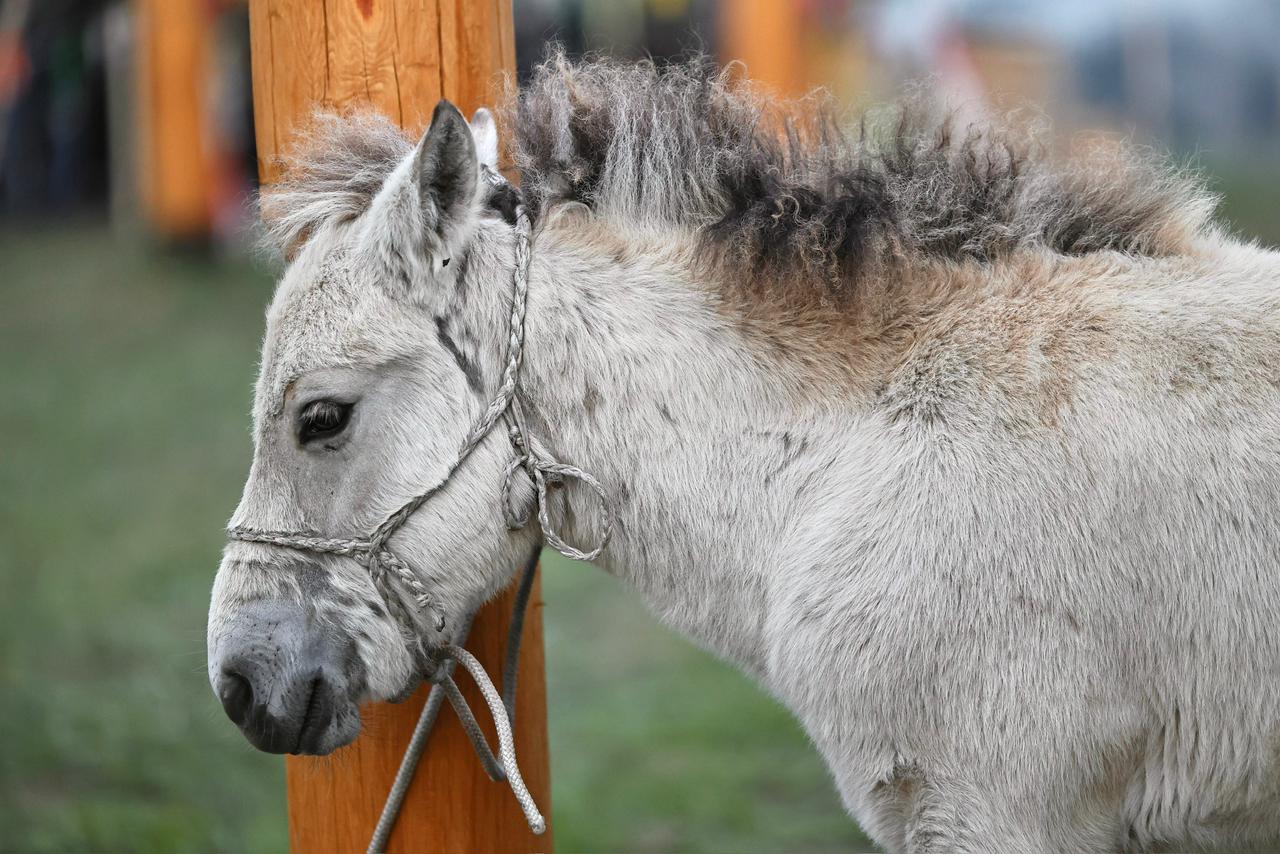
{"x":784,"y":189}
{"x":774,"y":189}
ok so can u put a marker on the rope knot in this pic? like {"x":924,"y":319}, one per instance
{"x":544,"y":472}
{"x":517,"y":440}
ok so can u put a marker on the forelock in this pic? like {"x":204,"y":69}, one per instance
{"x":333,"y":172}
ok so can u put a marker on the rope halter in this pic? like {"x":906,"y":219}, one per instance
{"x":385,"y":566}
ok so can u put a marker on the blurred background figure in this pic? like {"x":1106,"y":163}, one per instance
{"x":106,"y":106}
{"x":126,"y":131}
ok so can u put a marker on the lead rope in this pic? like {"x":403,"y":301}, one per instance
{"x":440,"y":691}
{"x":394,"y":578}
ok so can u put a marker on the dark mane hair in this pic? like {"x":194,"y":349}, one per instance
{"x":772,"y":189}
{"x":784,"y":189}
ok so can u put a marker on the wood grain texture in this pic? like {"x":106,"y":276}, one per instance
{"x":401,"y":57}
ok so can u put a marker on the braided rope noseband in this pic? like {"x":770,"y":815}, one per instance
{"x":374,"y":553}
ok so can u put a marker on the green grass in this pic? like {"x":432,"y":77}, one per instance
{"x":124,"y":406}
{"x":1250,"y":198}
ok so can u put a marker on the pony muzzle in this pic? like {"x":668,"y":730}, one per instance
{"x":288,"y":683}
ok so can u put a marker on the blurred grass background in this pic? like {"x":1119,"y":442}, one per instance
{"x":124,"y":407}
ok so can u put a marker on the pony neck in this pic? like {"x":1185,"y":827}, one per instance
{"x":632,"y":374}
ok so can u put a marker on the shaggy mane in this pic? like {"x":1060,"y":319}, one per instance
{"x":784,"y":189}
{"x":772,"y":189}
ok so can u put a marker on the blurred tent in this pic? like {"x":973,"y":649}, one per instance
{"x":1185,"y":74}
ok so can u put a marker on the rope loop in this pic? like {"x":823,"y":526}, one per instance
{"x":543,"y":472}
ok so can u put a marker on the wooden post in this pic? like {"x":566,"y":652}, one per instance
{"x":175,"y":167}
{"x":402,"y":56}
{"x":766,"y":36}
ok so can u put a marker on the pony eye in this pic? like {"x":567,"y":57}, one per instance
{"x":323,"y":419}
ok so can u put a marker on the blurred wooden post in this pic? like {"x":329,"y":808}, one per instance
{"x":766,"y":36}
{"x":401,"y":57}
{"x":173,"y":39}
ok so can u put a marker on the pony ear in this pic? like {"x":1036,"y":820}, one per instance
{"x":485,"y":131}
{"x":427,"y":205}
{"x":446,"y":170}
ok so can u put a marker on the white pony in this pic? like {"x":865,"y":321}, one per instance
{"x":969,"y":457}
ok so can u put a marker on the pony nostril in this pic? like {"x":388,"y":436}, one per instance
{"x":236,"y":694}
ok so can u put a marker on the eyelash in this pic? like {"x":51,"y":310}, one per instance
{"x":323,"y":419}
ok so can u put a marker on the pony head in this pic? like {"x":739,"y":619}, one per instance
{"x":371,"y":376}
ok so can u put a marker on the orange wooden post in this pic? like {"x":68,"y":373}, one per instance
{"x":175,"y":164}
{"x":766,"y":36}
{"x":402,"y":56}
